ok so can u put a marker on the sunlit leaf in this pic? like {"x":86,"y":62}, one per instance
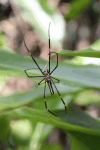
{"x":74,"y":120}
{"x":69,"y":74}
{"x":88,"y":52}
{"x":88,"y":97}
{"x":23,"y":98}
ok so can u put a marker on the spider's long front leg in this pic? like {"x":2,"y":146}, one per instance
{"x":49,"y":45}
{"x":50,"y":53}
{"x":56,"y":79}
{"x":60,"y":96}
{"x":31,"y":76}
{"x":45,"y":101}
{"x":32,"y":56}
{"x":56,"y":64}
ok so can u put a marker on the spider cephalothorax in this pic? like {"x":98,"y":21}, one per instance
{"x":47,"y":75}
{"x":48,"y":80}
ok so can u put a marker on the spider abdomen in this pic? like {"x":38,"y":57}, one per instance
{"x":50,"y":87}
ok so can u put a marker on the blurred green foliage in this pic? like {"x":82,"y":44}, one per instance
{"x":27,"y":128}
{"x":2,"y":40}
{"x":77,"y":7}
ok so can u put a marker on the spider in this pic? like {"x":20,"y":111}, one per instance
{"x":46,"y":74}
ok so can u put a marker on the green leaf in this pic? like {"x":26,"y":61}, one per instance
{"x":92,"y":51}
{"x":18,"y":99}
{"x":55,"y":101}
{"x":52,"y":146}
{"x":2,"y":79}
{"x":2,"y":40}
{"x":76,"y":7}
{"x":68,"y":74}
{"x":88,"y":97}
{"x":82,"y":141}
{"x":30,"y":134}
{"x":88,"y":52}
{"x":39,"y":135}
{"x":4,"y":128}
{"x":74,"y":120}
{"x":83,"y":130}
{"x":21,"y":132}
{"x":12,"y":60}
{"x":46,"y":7}
{"x":96,"y":45}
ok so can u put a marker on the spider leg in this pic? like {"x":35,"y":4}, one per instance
{"x":60,"y":96}
{"x":31,"y":68}
{"x":49,"y":45}
{"x":56,"y":79}
{"x":50,"y":87}
{"x":46,"y":103}
{"x":49,"y":49}
{"x":44,"y":82}
{"x":31,"y":76}
{"x":32,"y":56}
{"x":41,"y":81}
{"x":56,"y":64}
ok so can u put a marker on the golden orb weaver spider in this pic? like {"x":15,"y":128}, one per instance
{"x":46,"y":74}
